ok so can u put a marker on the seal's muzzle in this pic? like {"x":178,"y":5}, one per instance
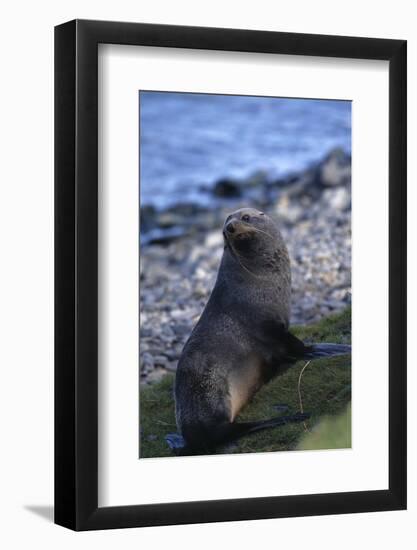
{"x":235,"y":228}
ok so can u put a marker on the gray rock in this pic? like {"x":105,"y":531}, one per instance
{"x":338,"y":199}
{"x":182,"y":329}
{"x":336,"y":169}
{"x":227,"y":188}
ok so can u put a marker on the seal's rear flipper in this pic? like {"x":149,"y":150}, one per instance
{"x":223,"y":433}
{"x":228,"y":432}
{"x":316,"y":351}
{"x":245,"y":428}
{"x":175,"y":441}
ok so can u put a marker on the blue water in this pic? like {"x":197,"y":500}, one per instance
{"x":188,"y":141}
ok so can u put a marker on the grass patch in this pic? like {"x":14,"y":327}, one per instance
{"x":333,"y":432}
{"x":325,"y":390}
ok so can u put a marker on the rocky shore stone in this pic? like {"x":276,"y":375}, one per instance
{"x":335,"y":169}
{"x":227,"y":188}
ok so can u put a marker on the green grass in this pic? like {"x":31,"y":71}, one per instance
{"x":333,"y":432}
{"x":325,"y":390}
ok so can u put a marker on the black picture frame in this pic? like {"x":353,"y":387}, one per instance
{"x":76,"y":272}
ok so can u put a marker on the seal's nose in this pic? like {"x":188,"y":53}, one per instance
{"x":230,"y":227}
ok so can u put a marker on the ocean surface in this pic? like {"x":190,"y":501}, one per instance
{"x":190,"y":141}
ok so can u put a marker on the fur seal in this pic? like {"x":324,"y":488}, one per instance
{"x":241,"y":340}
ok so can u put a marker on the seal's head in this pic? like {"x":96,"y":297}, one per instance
{"x":249,"y":231}
{"x":254,"y":239}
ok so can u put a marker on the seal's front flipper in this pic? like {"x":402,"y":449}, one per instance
{"x":296,"y":349}
{"x":175,"y":442}
{"x":316,"y":351}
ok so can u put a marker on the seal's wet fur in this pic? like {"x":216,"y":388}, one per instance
{"x":241,"y":340}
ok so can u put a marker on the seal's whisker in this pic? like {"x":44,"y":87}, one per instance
{"x":257,"y":230}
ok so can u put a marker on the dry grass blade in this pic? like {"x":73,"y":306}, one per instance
{"x":299,"y":393}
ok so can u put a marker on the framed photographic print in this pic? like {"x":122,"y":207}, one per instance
{"x":230,"y":248}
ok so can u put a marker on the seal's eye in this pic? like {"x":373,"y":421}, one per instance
{"x":245,"y":218}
